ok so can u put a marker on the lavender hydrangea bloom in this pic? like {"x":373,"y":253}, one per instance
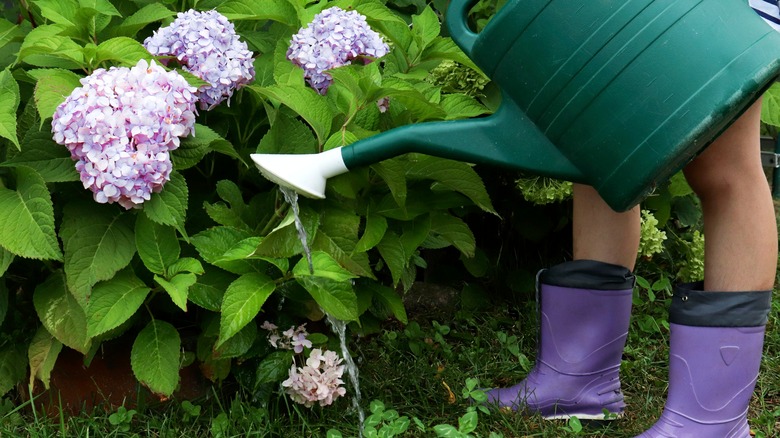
{"x":334,"y":38}
{"x":206,"y":45}
{"x":119,"y":127}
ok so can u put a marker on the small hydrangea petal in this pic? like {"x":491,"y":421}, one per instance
{"x":333,"y":39}
{"x":206,"y":44}
{"x":119,"y":127}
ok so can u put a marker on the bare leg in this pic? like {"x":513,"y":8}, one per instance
{"x":602,"y":234}
{"x":739,"y":218}
{"x":740,"y":258}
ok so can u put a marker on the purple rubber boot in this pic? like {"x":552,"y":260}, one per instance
{"x":585,"y":308}
{"x":712,"y":369}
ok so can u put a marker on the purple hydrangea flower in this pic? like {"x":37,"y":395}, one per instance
{"x":119,"y":127}
{"x":206,"y":45}
{"x":334,"y":38}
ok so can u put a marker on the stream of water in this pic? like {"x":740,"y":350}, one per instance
{"x":291,"y":196}
{"x":338,"y":326}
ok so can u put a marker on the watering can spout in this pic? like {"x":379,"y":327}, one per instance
{"x":506,"y":139}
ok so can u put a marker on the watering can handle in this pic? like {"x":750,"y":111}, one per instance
{"x":457,"y":23}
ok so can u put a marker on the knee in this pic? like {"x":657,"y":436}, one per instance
{"x":724,"y":179}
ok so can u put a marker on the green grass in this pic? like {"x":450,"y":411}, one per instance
{"x":421,"y":376}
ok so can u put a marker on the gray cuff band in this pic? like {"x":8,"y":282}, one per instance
{"x":589,"y":274}
{"x":694,"y":307}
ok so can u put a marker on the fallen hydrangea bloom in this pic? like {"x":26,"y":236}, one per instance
{"x":333,"y":39}
{"x":319,"y":381}
{"x":206,"y":45}
{"x":120,"y":126}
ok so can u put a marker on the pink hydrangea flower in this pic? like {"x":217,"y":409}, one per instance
{"x":294,"y":338}
{"x":333,"y":39}
{"x":319,"y":381}
{"x":120,"y":126}
{"x":206,"y":45}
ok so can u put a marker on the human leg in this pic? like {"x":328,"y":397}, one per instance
{"x":584,"y":311}
{"x":717,"y":326}
{"x":739,"y":219}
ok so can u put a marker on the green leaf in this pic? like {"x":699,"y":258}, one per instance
{"x":102,"y":7}
{"x":393,"y":172}
{"x":389,"y":23}
{"x":59,"y":11}
{"x":209,"y":289}
{"x":455,"y":231}
{"x":9,"y":31}
{"x":13,"y":368}
{"x":770,"y":106}
{"x":460,"y":106}
{"x":288,"y":135}
{"x":468,"y":422}
{"x":148,"y":14}
{"x":444,"y":48}
{"x":304,"y":101}
{"x":51,"y":160}
{"x":52,"y":87}
{"x":157,"y":244}
{"x":324,"y":266}
{"x":45,"y":47}
{"x":274,"y":367}
{"x":239,"y":344}
{"x":389,"y":298}
{"x":193,"y":148}
{"x":425,"y":27}
{"x":113,"y":302}
{"x":337,"y":236}
{"x":42,"y":355}
{"x":169,"y":207}
{"x":178,"y":287}
{"x":375,"y":229}
{"x":27,"y":218}
{"x":213,"y":244}
{"x":452,"y":175}
{"x":418,"y":104}
{"x":392,"y":251}
{"x":6,"y":257}
{"x":283,"y":241}
{"x":9,"y":102}
{"x":98,"y":241}
{"x":123,"y":51}
{"x":242,"y":302}
{"x":277,"y":10}
{"x":335,"y":297}
{"x":155,"y":357}
{"x":60,"y":313}
{"x":186,"y":264}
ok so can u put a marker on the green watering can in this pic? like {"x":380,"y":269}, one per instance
{"x":616,"y":94}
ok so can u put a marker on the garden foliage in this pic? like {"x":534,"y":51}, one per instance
{"x":190,"y":273}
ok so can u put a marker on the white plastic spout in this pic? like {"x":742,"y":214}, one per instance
{"x":304,"y":173}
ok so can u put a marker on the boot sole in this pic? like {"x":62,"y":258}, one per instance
{"x":596,"y":417}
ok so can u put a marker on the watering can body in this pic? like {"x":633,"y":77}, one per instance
{"x":617,"y":94}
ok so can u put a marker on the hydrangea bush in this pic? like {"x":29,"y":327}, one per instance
{"x":163,"y":236}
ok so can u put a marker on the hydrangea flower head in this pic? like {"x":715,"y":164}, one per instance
{"x":319,"y":381}
{"x":333,"y":39}
{"x":119,"y":127}
{"x":294,"y":338}
{"x":206,"y":45}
